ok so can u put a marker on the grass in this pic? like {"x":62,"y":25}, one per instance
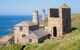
{"x":0,"y":36}
{"x":11,"y":47}
{"x":69,"y":42}
{"x":31,"y":46}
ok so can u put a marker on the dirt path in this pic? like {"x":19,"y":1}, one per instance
{"x":6,"y":38}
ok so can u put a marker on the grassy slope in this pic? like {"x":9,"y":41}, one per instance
{"x":69,"y":42}
{"x":12,"y":47}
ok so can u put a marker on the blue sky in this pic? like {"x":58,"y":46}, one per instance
{"x":26,"y":7}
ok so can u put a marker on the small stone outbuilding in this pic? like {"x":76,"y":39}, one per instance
{"x":28,"y":32}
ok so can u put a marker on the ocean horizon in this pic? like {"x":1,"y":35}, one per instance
{"x":7,"y":22}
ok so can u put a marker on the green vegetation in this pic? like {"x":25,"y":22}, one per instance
{"x":31,"y":47}
{"x":0,"y":36}
{"x":11,"y":47}
{"x":70,"y":41}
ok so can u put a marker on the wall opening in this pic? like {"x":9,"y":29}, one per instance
{"x":54,"y":31}
{"x":54,"y":13}
{"x":23,"y":35}
{"x":21,"y":28}
{"x":30,"y":40}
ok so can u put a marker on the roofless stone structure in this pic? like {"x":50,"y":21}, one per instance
{"x":59,"y":21}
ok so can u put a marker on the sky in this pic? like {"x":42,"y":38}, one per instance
{"x":26,"y":7}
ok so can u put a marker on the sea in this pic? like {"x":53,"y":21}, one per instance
{"x":7,"y":22}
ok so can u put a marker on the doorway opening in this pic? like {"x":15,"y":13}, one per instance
{"x":54,"y":31}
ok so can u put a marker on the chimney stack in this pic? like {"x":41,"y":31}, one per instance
{"x":35,"y":18}
{"x":44,"y":16}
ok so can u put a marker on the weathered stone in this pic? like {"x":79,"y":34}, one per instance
{"x":59,"y":21}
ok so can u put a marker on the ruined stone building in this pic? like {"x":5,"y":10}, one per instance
{"x":29,"y":32}
{"x":43,"y":20}
{"x":59,"y":23}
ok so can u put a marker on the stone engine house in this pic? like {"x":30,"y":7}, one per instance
{"x":59,"y":23}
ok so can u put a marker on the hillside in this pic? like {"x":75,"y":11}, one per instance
{"x":70,"y":41}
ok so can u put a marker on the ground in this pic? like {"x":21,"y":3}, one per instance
{"x":70,"y":41}
{"x":6,"y":38}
